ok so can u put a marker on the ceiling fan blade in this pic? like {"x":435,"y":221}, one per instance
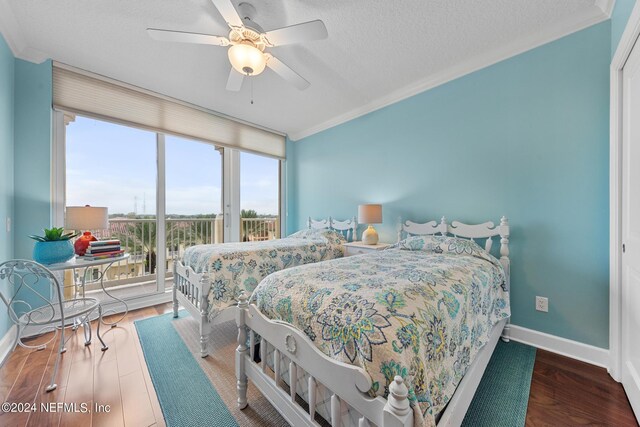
{"x":234,"y":83}
{"x":182,"y":37}
{"x":307,"y":31}
{"x":228,"y":12}
{"x":286,"y":73}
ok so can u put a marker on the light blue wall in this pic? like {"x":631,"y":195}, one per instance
{"x":32,"y":153}
{"x":25,"y":155}
{"x":526,"y":138}
{"x":6,"y":159}
{"x":619,"y":18}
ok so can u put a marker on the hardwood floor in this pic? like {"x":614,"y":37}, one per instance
{"x":566,"y":392}
{"x":563,"y":391}
{"x":117,"y":377}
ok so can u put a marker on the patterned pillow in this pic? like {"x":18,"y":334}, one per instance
{"x":441,"y":244}
{"x":307,"y":233}
{"x":330,"y":235}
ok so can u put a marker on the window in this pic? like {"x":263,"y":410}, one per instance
{"x":115,"y":166}
{"x":259,"y":198}
{"x":162,"y":191}
{"x":193,"y":195}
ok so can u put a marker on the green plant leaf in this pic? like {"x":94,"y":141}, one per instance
{"x":54,"y":234}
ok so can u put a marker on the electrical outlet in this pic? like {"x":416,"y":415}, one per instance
{"x":542,"y":304}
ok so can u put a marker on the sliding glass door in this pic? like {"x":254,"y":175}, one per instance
{"x":164,"y":194}
{"x":115,"y":166}
{"x":259,"y":198}
{"x":193,"y":196}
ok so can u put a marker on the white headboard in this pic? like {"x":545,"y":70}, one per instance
{"x":347,"y":227}
{"x":486,"y":230}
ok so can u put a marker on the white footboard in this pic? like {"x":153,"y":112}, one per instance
{"x":348,"y":384}
{"x":190,"y":290}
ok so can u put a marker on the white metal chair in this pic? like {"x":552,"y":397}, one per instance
{"x":35,"y":304}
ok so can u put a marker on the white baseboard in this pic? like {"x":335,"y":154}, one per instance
{"x":6,"y":343}
{"x":573,"y":349}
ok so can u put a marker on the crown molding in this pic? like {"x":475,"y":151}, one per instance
{"x":15,"y":39}
{"x":606,"y":6}
{"x":559,"y":31}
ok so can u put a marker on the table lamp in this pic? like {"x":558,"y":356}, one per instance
{"x":85,"y":218}
{"x":370,"y":214}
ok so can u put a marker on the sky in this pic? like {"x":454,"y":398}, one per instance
{"x":115,"y":166}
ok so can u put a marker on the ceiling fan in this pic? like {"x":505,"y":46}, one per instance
{"x":248,"y":41}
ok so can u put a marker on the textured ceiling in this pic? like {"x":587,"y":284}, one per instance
{"x":378,"y":51}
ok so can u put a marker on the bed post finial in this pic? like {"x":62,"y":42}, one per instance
{"x":397,"y":408}
{"x":444,"y":228}
{"x":174,"y":289}
{"x":354,"y":229}
{"x":241,"y":351}
{"x":203,"y":305}
{"x":399,"y":228}
{"x":506,"y":264}
{"x":504,"y":241}
{"x":309,"y":223}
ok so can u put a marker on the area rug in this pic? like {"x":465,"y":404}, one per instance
{"x":186,"y":395}
{"x":503,"y":394}
{"x":218,"y":368}
{"x":501,"y":399}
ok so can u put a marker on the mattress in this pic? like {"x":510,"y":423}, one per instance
{"x":237,"y":267}
{"x":422,"y":310}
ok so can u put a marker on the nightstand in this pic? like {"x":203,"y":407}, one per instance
{"x":359,"y":248}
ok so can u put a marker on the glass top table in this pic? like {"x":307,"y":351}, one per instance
{"x":80,"y":281}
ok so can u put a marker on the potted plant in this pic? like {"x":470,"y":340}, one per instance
{"x":54,"y":247}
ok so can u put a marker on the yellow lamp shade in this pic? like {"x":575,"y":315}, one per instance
{"x":247,"y":59}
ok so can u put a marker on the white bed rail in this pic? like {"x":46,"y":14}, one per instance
{"x":352,"y":381}
{"x":191,"y":289}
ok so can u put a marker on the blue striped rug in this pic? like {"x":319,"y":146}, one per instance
{"x":186,"y":396}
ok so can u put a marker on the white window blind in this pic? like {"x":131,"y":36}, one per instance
{"x":87,"y":94}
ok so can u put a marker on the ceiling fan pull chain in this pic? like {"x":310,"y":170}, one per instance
{"x":251,"y":91}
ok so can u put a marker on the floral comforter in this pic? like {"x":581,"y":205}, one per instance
{"x":421,"y":309}
{"x":237,"y":267}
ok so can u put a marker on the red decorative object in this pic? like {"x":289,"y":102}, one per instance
{"x":82,"y":243}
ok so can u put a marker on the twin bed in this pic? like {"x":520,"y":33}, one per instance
{"x":399,"y":337}
{"x":209,"y":279}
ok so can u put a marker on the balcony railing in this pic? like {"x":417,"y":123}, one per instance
{"x":256,"y":229}
{"x":138,"y":237}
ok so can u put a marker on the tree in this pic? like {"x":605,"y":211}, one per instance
{"x":248,"y":213}
{"x":140,"y":235}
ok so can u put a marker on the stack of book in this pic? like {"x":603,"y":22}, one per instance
{"x":103,"y":249}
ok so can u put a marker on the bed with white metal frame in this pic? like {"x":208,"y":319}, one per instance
{"x":191,"y":289}
{"x":348,"y":384}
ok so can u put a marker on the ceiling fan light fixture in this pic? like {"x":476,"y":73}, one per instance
{"x":247,"y":59}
